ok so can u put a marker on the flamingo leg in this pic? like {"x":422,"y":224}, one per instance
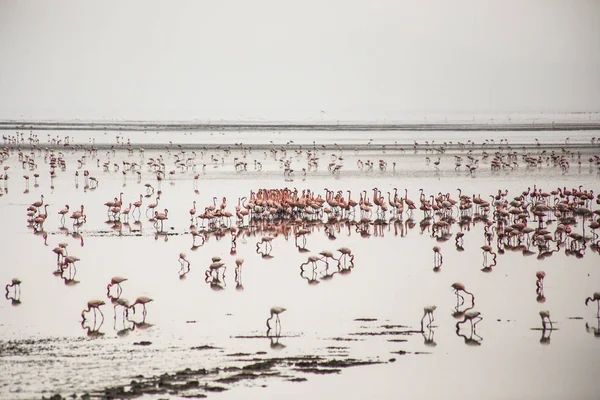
{"x":461,"y":298}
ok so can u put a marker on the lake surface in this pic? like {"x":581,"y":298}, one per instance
{"x":369,"y":311}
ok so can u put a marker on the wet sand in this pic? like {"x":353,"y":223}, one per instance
{"x":351,"y":331}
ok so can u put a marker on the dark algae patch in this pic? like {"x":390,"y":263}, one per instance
{"x":197,"y":383}
{"x":258,"y":367}
{"x":204,"y":347}
{"x":319,"y":371}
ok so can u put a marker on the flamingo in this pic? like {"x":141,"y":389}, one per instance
{"x":268,"y":246}
{"x":540,"y":275}
{"x":93,"y":305}
{"x":60,"y":252}
{"x":193,"y":212}
{"x":126,"y":212}
{"x":138,"y":204}
{"x":459,"y":287}
{"x":152,"y":206}
{"x":437,"y":255}
{"x":143,"y":300}
{"x":116,"y":280}
{"x":346,"y":252}
{"x":16,"y":284}
{"x":161,"y":217}
{"x":69,"y":260}
{"x":595,"y":297}
{"x":428,"y":311}
{"x":275,"y":311}
{"x":123,"y":303}
{"x":545,"y":314}
{"x":470,"y":316}
{"x":40,"y":203}
{"x":183,"y":259}
{"x":215,"y":266}
{"x":77,"y":215}
{"x":311,"y":259}
{"x":63,"y":212}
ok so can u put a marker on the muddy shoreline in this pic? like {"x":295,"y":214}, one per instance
{"x":199,"y":383}
{"x":254,"y":368}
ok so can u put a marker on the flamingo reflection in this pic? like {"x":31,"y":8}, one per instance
{"x":15,"y":296}
{"x":127,"y":327}
{"x":474,"y":317}
{"x":428,"y":337}
{"x":94,"y":330}
{"x":545,"y":315}
{"x":437,"y":257}
{"x":459,"y":241}
{"x":539,"y":284}
{"x":310,"y":274}
{"x":184,"y":265}
{"x":275,"y":344}
{"x":216,"y":283}
{"x":595,"y":330}
{"x":238,"y":274}
{"x":214,"y":269}
{"x":68,"y":276}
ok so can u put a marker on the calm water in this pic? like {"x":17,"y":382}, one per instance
{"x":322,"y":137}
{"x":392,"y":280}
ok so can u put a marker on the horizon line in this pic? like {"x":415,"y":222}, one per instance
{"x":202,"y":125}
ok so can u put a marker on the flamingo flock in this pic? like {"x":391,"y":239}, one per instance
{"x":532,"y":222}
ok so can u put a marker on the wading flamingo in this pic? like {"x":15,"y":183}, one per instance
{"x":595,"y":297}
{"x":93,"y":305}
{"x":275,"y":311}
{"x":428,"y":311}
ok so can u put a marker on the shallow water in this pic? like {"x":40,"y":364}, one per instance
{"x":44,"y":348}
{"x":282,"y":137}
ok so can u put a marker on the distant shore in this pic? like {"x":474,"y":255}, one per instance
{"x":211,"y":127}
{"x":400,"y":148}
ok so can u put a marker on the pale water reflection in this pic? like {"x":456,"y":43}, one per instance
{"x":360,"y":284}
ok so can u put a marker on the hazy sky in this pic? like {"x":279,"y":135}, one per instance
{"x":282,"y":60}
